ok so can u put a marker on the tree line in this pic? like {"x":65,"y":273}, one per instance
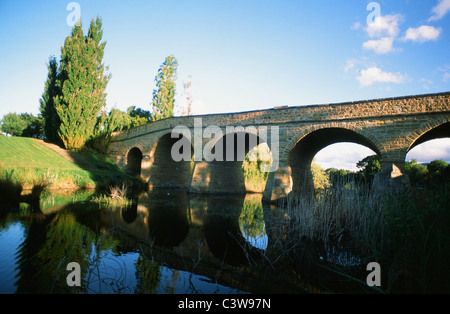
{"x":73,"y":105}
{"x":421,"y":176}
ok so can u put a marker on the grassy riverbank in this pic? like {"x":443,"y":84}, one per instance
{"x":27,"y":162}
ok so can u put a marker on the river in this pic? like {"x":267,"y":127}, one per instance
{"x":167,"y":242}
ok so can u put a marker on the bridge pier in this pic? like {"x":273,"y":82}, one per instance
{"x":279,"y":183}
{"x":391,"y":178}
{"x":217,"y":177}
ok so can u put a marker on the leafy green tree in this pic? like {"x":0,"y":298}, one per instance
{"x":417,"y":173}
{"x":35,"y":125}
{"x":139,"y":116}
{"x":369,"y":166}
{"x":13,"y":124}
{"x":436,"y":172}
{"x":47,"y":103}
{"x":107,"y":123}
{"x":117,"y":121}
{"x":164,"y":95}
{"x":139,"y":113}
{"x":436,"y":167}
{"x":320,"y":177}
{"x":82,"y":82}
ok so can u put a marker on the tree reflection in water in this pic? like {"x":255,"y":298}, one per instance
{"x":120,"y":250}
{"x":166,"y":242}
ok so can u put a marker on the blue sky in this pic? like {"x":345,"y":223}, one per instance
{"x":240,"y":55}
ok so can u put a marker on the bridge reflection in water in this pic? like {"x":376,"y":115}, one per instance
{"x":168,"y":242}
{"x":219,"y":237}
{"x":231,"y":240}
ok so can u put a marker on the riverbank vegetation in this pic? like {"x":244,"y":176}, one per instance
{"x":257,"y":158}
{"x":26,"y":164}
{"x":114,"y":196}
{"x":407,"y":232}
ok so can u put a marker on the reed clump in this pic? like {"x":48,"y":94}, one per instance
{"x":335,"y":213}
{"x":407,"y":232}
{"x":115,"y":196}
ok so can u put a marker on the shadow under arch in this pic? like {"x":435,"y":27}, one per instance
{"x":129,"y":213}
{"x":164,"y":171}
{"x":229,"y":153}
{"x":134,"y":162}
{"x":302,"y":154}
{"x":437,"y":132}
{"x":168,"y":223}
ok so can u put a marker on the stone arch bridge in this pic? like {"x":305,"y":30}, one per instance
{"x":390,"y":127}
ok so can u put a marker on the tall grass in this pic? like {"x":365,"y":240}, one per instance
{"x":52,"y":178}
{"x":115,"y":196}
{"x":408,"y":232}
{"x":335,"y":213}
{"x":416,"y":240}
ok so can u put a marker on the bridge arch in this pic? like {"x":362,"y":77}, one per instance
{"x":423,"y":150}
{"x":222,"y":172}
{"x":134,"y":161}
{"x":436,"y":130}
{"x":308,"y":145}
{"x":164,"y":171}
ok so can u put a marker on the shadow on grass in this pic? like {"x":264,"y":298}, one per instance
{"x":97,"y":174}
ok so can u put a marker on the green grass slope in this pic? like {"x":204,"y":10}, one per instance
{"x":29,"y":153}
{"x":29,"y":162}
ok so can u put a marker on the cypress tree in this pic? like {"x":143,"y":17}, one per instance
{"x":164,"y":96}
{"x":82,"y":82}
{"x":47,"y":104}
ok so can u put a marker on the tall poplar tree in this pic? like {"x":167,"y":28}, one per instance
{"x":164,"y":96}
{"x":47,"y":104}
{"x":82,"y":81}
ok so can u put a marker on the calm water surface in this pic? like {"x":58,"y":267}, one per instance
{"x":167,"y":242}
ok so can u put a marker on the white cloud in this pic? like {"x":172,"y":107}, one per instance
{"x":356,"y":26}
{"x":422,"y":33}
{"x":426,"y":83}
{"x":380,"y":46}
{"x":446,"y":72}
{"x":431,"y":150}
{"x":342,"y":156}
{"x":355,"y":64}
{"x":446,"y":77}
{"x":384,"y":26}
{"x":441,"y":9}
{"x":383,"y":32}
{"x":374,"y":75}
{"x":350,"y":64}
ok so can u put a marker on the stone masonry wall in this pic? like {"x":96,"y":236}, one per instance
{"x":388,"y":126}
